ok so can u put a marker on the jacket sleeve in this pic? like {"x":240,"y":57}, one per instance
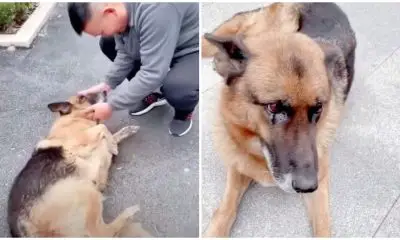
{"x":158,"y":29}
{"x":120,"y":68}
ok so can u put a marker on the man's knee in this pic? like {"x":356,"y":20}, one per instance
{"x":181,"y":97}
{"x":107,"y":46}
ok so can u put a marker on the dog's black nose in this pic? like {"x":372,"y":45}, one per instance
{"x":305,"y":185}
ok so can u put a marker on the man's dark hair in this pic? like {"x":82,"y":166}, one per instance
{"x":79,"y":13}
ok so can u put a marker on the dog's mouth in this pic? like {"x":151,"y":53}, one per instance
{"x":283,"y":181}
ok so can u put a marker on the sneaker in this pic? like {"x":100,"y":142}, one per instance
{"x":179,"y":127}
{"x":148,"y":103}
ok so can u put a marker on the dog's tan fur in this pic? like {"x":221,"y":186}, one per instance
{"x":273,"y":43}
{"x":73,"y":206}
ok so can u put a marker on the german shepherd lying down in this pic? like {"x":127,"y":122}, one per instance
{"x":58,"y":192}
{"x":287,"y":69}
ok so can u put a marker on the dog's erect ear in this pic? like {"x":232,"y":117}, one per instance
{"x":231,"y":60}
{"x":232,"y":46}
{"x":62,"y":107}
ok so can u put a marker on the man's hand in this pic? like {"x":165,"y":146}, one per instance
{"x":95,"y":89}
{"x":102,"y":111}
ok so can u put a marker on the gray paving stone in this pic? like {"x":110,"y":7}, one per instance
{"x":376,"y":30}
{"x":390,"y":227}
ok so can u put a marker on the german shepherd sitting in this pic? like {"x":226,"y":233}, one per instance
{"x":288,"y":69}
{"x":58,"y":192}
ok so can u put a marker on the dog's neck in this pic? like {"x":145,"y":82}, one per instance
{"x":65,"y":127}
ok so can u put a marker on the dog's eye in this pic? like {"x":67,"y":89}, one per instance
{"x":315,"y":113}
{"x":279,"y":113}
{"x":274,"y":107}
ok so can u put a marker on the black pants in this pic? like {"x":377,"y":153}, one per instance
{"x":181,"y":85}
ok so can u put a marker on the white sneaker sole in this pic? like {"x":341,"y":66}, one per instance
{"x":186,"y":131}
{"x":151,"y":106}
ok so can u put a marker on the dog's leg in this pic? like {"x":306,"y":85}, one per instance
{"x":104,"y":133}
{"x":125,"y":133}
{"x":95,"y":224}
{"x":95,"y":135}
{"x":121,"y":220}
{"x":224,"y":217}
{"x":112,"y":144}
{"x":317,"y":205}
{"x":134,"y":230}
{"x":99,"y":166}
{"x":104,"y":172}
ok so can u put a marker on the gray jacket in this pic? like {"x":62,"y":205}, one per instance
{"x":157,"y":33}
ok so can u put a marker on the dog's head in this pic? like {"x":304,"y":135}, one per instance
{"x":77,"y":104}
{"x":277,"y":91}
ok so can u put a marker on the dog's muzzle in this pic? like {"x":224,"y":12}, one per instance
{"x":285,"y":181}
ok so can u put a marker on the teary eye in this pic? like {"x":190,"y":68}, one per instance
{"x":275,"y":107}
{"x":315,"y":113}
{"x":278,"y":112}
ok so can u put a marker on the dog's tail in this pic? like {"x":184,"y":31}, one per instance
{"x":277,"y":17}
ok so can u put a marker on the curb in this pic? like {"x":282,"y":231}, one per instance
{"x":29,"y":30}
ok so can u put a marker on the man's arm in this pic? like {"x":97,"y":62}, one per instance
{"x":159,"y":32}
{"x":120,"y":68}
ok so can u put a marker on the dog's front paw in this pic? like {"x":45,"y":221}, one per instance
{"x":129,"y":130}
{"x":130,"y":211}
{"x":125,"y":133}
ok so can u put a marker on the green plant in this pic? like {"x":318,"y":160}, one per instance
{"x":7,"y":14}
{"x":21,"y":9}
{"x":13,"y":12}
